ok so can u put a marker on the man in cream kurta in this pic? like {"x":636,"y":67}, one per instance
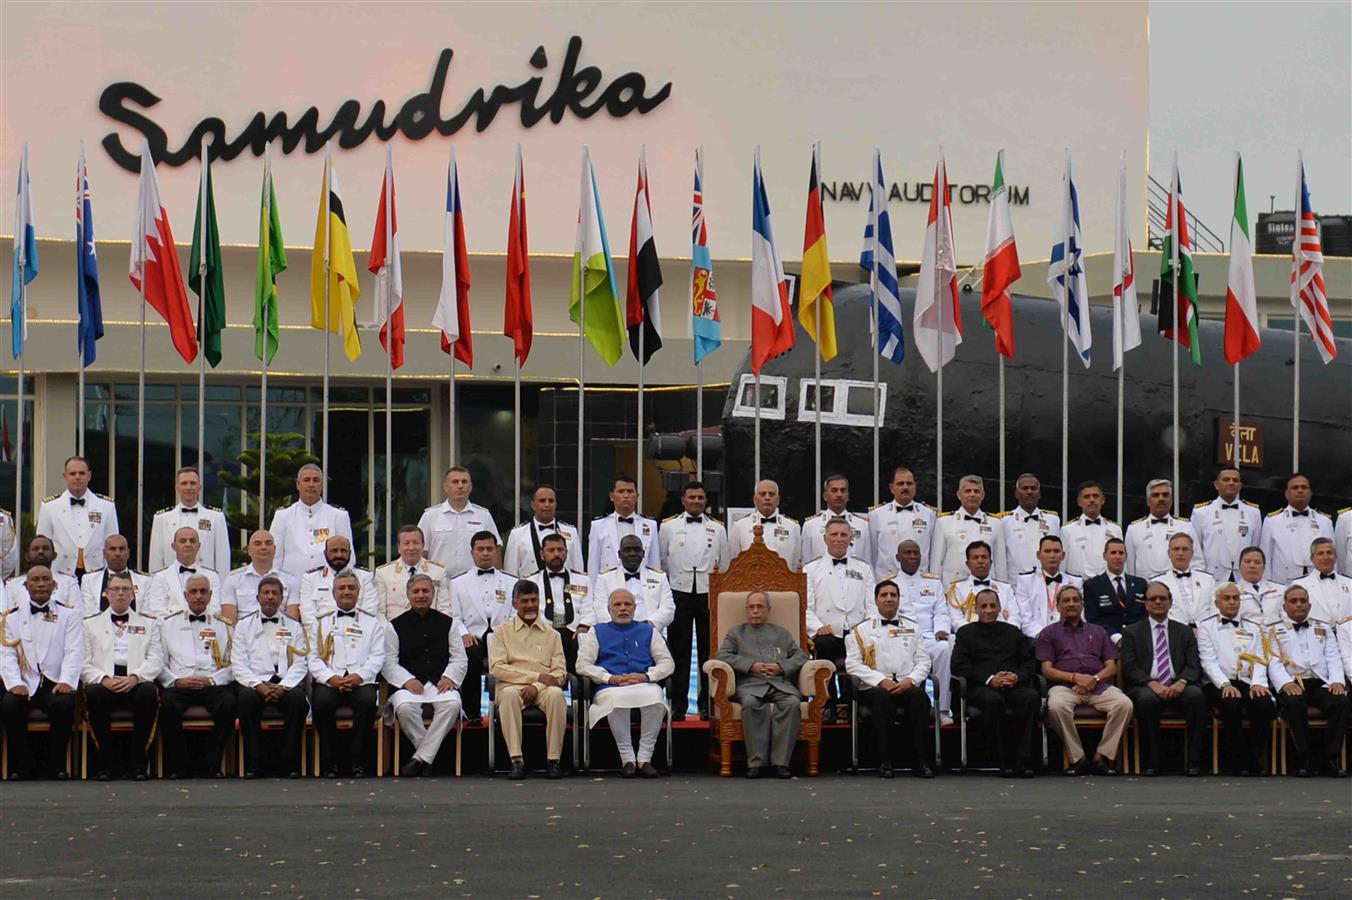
{"x":526,"y":658}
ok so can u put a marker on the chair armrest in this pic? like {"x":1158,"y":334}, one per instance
{"x":715,"y":668}
{"x":807,"y":676}
{"x":1042,"y":686}
{"x":490,"y":687}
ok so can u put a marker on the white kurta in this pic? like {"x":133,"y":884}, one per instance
{"x":629,"y":696}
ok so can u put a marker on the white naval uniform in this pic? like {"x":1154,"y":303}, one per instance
{"x":92,"y":587}
{"x":77,"y":530}
{"x":391,"y":584}
{"x":603,"y":544}
{"x":839,"y":596}
{"x":690,"y":550}
{"x":52,"y":645}
{"x":240,"y":588}
{"x":898,"y":651}
{"x":952,"y":534}
{"x":1021,"y":532}
{"x":67,"y":591}
{"x":1224,"y":530}
{"x":1035,"y":594}
{"x":780,"y":533}
{"x":923,"y":602}
{"x":135,"y":645}
{"x":192,"y":648}
{"x":448,"y":533}
{"x":212,"y":531}
{"x":316,"y":592}
{"x":262,"y":650}
{"x":1193,"y":593}
{"x":1308,"y":652}
{"x":651,"y":590}
{"x":301,"y":531}
{"x":1261,"y":602}
{"x":519,"y":557}
{"x":342,"y":645}
{"x":1330,"y":597}
{"x":891,"y":523}
{"x":480,"y":603}
{"x":960,"y":598}
{"x":1287,"y":536}
{"x":1148,"y":545}
{"x":1083,"y":539}
{"x":1220,"y":646}
{"x":167,"y":591}
{"x":576,"y":587}
{"x":1342,"y":540}
{"x":814,"y":537}
{"x":9,"y":545}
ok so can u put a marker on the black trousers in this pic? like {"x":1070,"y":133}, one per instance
{"x":471,"y":692}
{"x":692,"y":619}
{"x":1008,"y":718}
{"x":292,"y":706}
{"x":830,"y":647}
{"x":144,"y":703}
{"x":1296,"y":709}
{"x":336,"y":754}
{"x":1240,"y":751}
{"x":569,"y":638}
{"x":219,"y":701}
{"x":60,"y":710}
{"x":914,"y":708}
{"x":1149,"y":708}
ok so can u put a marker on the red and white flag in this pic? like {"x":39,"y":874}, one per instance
{"x":1241,"y":296}
{"x":1001,"y":268}
{"x":1126,"y":306}
{"x":154,"y":262}
{"x":938,"y":317}
{"x":1308,"y":295}
{"x":385,"y":265}
{"x":452,"y":314}
{"x":518,"y":318}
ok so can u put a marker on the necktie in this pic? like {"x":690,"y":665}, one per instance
{"x":1121,"y":593}
{"x":37,"y":610}
{"x":120,"y":619}
{"x":189,"y":569}
{"x":971,"y":518}
{"x":190,"y":509}
{"x":839,"y":562}
{"x":1166,"y":669}
{"x":350,"y":613}
{"x":192,"y":618}
{"x":628,"y":520}
{"x":80,"y":501}
{"x":487,"y":571}
{"x":1093,"y":521}
{"x":693,"y":520}
{"x":893,"y":622}
{"x":1154,"y":521}
{"x":266,"y":619}
{"x":1294,"y":512}
{"x":1229,"y":506}
{"x":1298,"y":626}
{"x":1230,"y":622}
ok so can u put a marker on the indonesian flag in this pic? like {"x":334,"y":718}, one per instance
{"x":771,"y":320}
{"x":452,"y":314}
{"x":1001,"y":268}
{"x":1241,"y":298}
{"x":518,"y":320}
{"x":385,"y":265}
{"x":154,"y":263}
{"x":938,"y":317}
{"x":1126,"y":307}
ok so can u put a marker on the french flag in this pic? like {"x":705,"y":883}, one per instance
{"x":771,"y":320}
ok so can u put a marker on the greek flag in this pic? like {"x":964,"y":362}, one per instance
{"x":878,"y":260}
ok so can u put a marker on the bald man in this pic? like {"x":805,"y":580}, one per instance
{"x":239,"y":591}
{"x":779,"y":532}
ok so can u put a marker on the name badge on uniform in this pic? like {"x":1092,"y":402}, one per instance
{"x":985,"y":529}
{"x":282,"y":634}
{"x":651,"y":582}
{"x":474,"y":522}
{"x":203,"y":524}
{"x":851,"y":573}
{"x":136,"y":629}
{"x":1243,"y":530}
{"x":577,"y":590}
{"x":906,"y":629}
{"x":1319,"y":632}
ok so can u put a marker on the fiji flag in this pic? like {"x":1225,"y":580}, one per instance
{"x":705,"y":326}
{"x":879,"y":261}
{"x":86,"y":268}
{"x":25,"y":257}
{"x":1065,"y":273}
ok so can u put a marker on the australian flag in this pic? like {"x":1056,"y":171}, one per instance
{"x":86,"y":269}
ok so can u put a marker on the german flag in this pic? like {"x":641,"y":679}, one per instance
{"x":333,"y":247}
{"x":815,"y":282}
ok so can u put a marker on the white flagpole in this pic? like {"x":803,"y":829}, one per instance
{"x":22,"y":324}
{"x":79,"y":349}
{"x":875,"y":324}
{"x":581,"y":342}
{"x":516,"y":440}
{"x":1065,"y":378}
{"x":1234,"y":436}
{"x":1296,"y":253}
{"x":1174,"y":232}
{"x":389,"y":348}
{"x":201,"y":321}
{"x":141,"y":421}
{"x":817,"y":349}
{"x":1000,"y":369}
{"x":1121,"y":384}
{"x":267,"y":338}
{"x":758,"y":417}
{"x":328,"y":314}
{"x":450,"y":393}
{"x":642,"y":329}
{"x":699,"y":421}
{"x":939,"y":373}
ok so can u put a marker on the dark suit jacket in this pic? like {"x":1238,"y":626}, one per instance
{"x":980,"y":650}
{"x":1138,"y":653}
{"x":747,"y":644}
{"x":1101,"y":606}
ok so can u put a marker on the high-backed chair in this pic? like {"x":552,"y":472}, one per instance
{"x":760,"y":568}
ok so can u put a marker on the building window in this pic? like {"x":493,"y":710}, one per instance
{"x":844,"y":402}
{"x":773,"y":391}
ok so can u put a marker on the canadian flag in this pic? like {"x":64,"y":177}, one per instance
{"x":154,"y":263}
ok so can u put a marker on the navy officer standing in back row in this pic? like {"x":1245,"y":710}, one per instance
{"x":301,"y":529}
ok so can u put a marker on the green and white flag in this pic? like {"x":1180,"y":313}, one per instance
{"x":593,"y":279}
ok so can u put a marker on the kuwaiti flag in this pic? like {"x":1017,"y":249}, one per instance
{"x":452,"y":313}
{"x":88,"y":300}
{"x":938,"y":317}
{"x":1065,"y":272}
{"x":771,"y":320}
{"x":388,"y":269}
{"x":1307,"y":272}
{"x":705,"y":327}
{"x":642,"y":311}
{"x":25,"y":257}
{"x":593,"y":276}
{"x":879,"y":260}
{"x":1126,"y":306}
{"x":1001,"y":268}
{"x":1241,"y":297}
{"x":154,"y":264}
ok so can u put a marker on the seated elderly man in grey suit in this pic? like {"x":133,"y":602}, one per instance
{"x":766,"y":659}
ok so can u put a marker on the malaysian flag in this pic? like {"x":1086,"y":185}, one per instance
{"x":705,"y":326}
{"x":1307,"y":272}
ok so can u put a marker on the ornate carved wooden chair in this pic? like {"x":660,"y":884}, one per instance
{"x":760,"y":568}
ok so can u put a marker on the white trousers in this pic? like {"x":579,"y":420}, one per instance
{"x":941,"y":665}
{"x":427,"y":738}
{"x":650,"y":723}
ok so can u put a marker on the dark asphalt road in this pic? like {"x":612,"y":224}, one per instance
{"x":684,"y":837}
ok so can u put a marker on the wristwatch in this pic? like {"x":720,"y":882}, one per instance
{"x":1097,"y":680}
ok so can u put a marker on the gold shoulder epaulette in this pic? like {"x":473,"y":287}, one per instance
{"x":788,"y":518}
{"x":165,"y":510}
{"x":878,"y":506}
{"x":1108,"y":520}
{"x":599,"y":518}
{"x":1141,"y":519}
{"x":1276,"y":512}
{"x":66,"y":605}
{"x":669,"y":518}
{"x":5,"y":512}
{"x":220,"y":618}
{"x":813,"y":516}
{"x":608,"y":571}
{"x":317,"y":569}
{"x":945,"y":514}
{"x":1210,"y":617}
{"x":323,"y":615}
{"x":655,"y":569}
{"x":50,"y":499}
{"x":1251,"y":503}
{"x":1345,"y":509}
{"x":743,"y":516}
{"x":94,"y":616}
{"x":177,"y":612}
{"x":531,"y":574}
{"x":934,"y":575}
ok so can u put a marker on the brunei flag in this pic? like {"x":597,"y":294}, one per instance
{"x":333,"y":248}
{"x":815,"y":284}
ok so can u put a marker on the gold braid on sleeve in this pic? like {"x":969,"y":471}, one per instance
{"x":868,"y":654}
{"x":16,"y":642}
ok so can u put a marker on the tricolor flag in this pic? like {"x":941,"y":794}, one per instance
{"x":705,"y":327}
{"x":206,"y":274}
{"x":642,"y":310}
{"x":25,"y":257}
{"x":814,"y":285}
{"x":1307,"y":272}
{"x":1001,"y":268}
{"x":1178,"y":324}
{"x":517,"y":317}
{"x":385,"y":264}
{"x":1065,"y":272}
{"x":878,"y":259}
{"x":593,"y":276}
{"x":938,"y":316}
{"x":771,"y":319}
{"x":88,"y":300}
{"x":1126,"y":307}
{"x":271,"y":263}
{"x":452,"y":313}
{"x":333,"y":250}
{"x":1241,"y":297}
{"x":154,"y":264}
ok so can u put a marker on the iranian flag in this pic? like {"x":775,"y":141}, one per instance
{"x":1241,"y":299}
{"x":1001,"y":268}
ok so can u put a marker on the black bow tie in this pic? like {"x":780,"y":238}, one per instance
{"x":1093,"y":521}
{"x":1187,"y":574}
{"x":1154,"y":521}
{"x":561,"y":573}
{"x":985,"y":581}
{"x":628,"y":520}
{"x":1230,"y":622}
{"x":909,"y":507}
{"x":971,"y":518}
{"x":38,"y":610}
{"x":1299,"y":625}
{"x":1294,"y":512}
{"x":350,"y":613}
{"x":182,"y":569}
{"x":273,"y":619}
{"x":80,"y":501}
{"x":1229,"y":506}
{"x":201,"y":618}
{"x":1056,"y":578}
{"x":1332,"y":576}
{"x":893,"y":622}
{"x":773,"y":520}
{"x":552,"y":526}
{"x":120,"y":619}
{"x":630,"y":576}
{"x":694,"y":520}
{"x":487,"y":571}
{"x":190,"y":509}
{"x":839,"y":562}
{"x":1032,"y":517}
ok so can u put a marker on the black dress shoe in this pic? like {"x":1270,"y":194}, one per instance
{"x":175,"y":776}
{"x":923,"y":771}
{"x":783,"y":772}
{"x":704,"y":717}
{"x":1148,"y":772}
{"x":678,"y":717}
{"x":1333,"y":770}
{"x":518,"y":770}
{"x":1025,"y":771}
{"x":1007,"y":772}
{"x":553,"y":771}
{"x":753,"y":771}
{"x":293,"y":774}
{"x":629,"y":771}
{"x":105,"y":775}
{"x":16,"y":775}
{"x":358,"y":772}
{"x":140,"y":775}
{"x":1099,"y":767}
{"x":250,"y":774}
{"x":648,"y":770}
{"x":885,"y":770}
{"x":413,"y":769}
{"x":1193,"y":771}
{"x":61,"y":775}
{"x":330,"y":773}
{"x":1303,"y":773}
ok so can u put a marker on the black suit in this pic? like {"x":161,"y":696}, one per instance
{"x":1106,"y":609}
{"x":982,"y":649}
{"x":1138,"y":659}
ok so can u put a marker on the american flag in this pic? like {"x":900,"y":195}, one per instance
{"x":1307,"y":274}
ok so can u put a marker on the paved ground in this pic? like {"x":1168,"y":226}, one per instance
{"x":695,"y":836}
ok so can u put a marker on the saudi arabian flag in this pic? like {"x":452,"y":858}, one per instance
{"x":1179,"y":324}
{"x":271,"y":263}
{"x":594,"y":274}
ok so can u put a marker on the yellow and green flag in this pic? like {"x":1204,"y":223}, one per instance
{"x":333,"y":248}
{"x":593,"y":275}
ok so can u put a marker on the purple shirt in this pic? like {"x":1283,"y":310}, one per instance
{"x":1079,"y":649}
